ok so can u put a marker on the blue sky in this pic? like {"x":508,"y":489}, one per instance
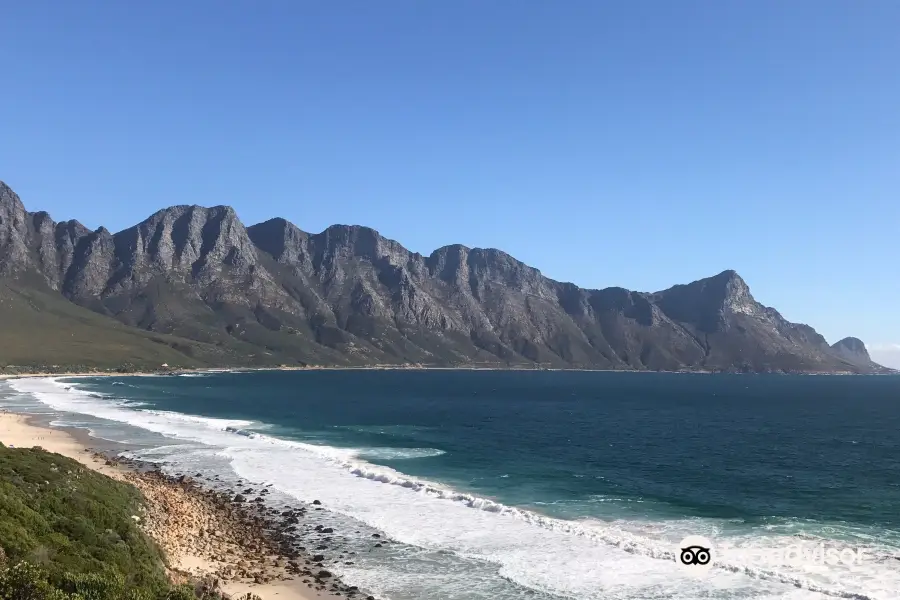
{"x":634,"y":143}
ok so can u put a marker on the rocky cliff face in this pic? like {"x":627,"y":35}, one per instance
{"x":349,"y":295}
{"x":854,"y":350}
{"x":32,"y":243}
{"x":853,"y":347}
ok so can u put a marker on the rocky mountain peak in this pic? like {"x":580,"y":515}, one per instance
{"x":363,"y":240}
{"x":709,"y":302}
{"x":8,"y":198}
{"x":190,"y":212}
{"x":852,"y":348}
{"x":187,"y":237}
{"x":735,"y":293}
{"x":357,"y":242}
{"x":450,"y":249}
{"x":72,"y":228}
{"x":280,"y":238}
{"x":12,"y":210}
{"x":14,"y":254}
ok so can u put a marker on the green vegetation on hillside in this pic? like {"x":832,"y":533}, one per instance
{"x":67,"y":519}
{"x":69,"y":533}
{"x":42,"y":331}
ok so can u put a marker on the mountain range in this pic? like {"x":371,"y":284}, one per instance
{"x":192,"y":286}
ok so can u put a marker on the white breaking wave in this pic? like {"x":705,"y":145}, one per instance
{"x":579,"y":559}
{"x":396,"y":453}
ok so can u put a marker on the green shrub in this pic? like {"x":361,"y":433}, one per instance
{"x":92,"y":586}
{"x":71,"y":522}
{"x":28,"y":582}
{"x":181,"y":592}
{"x":67,"y":533}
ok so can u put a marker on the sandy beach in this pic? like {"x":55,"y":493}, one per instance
{"x":201,"y":533}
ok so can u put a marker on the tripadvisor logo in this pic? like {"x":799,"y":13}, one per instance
{"x":694,"y":554}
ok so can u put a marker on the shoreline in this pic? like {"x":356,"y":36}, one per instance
{"x":243,"y":546}
{"x":213,"y":371}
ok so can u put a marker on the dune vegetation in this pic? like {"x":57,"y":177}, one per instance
{"x":67,"y":532}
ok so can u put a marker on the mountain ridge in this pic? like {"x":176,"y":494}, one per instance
{"x":349,"y":295}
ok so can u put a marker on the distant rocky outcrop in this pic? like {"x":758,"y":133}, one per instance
{"x":348,"y":295}
{"x":852,"y":347}
{"x":854,"y":350}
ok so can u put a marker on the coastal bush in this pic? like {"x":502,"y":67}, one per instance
{"x":92,"y":586}
{"x":75,"y":525}
{"x":181,"y":592}
{"x":28,"y":582}
{"x":69,"y":533}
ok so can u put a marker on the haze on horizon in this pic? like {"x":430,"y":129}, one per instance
{"x":638,"y":145}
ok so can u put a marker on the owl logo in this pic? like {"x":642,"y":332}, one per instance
{"x":694,"y":555}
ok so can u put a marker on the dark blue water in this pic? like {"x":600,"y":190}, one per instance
{"x":646,"y":458}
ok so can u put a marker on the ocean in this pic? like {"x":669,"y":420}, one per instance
{"x":546,"y":485}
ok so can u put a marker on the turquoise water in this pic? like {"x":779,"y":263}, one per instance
{"x":544,"y":484}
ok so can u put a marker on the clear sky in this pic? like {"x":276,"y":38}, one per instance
{"x":634,"y":142}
